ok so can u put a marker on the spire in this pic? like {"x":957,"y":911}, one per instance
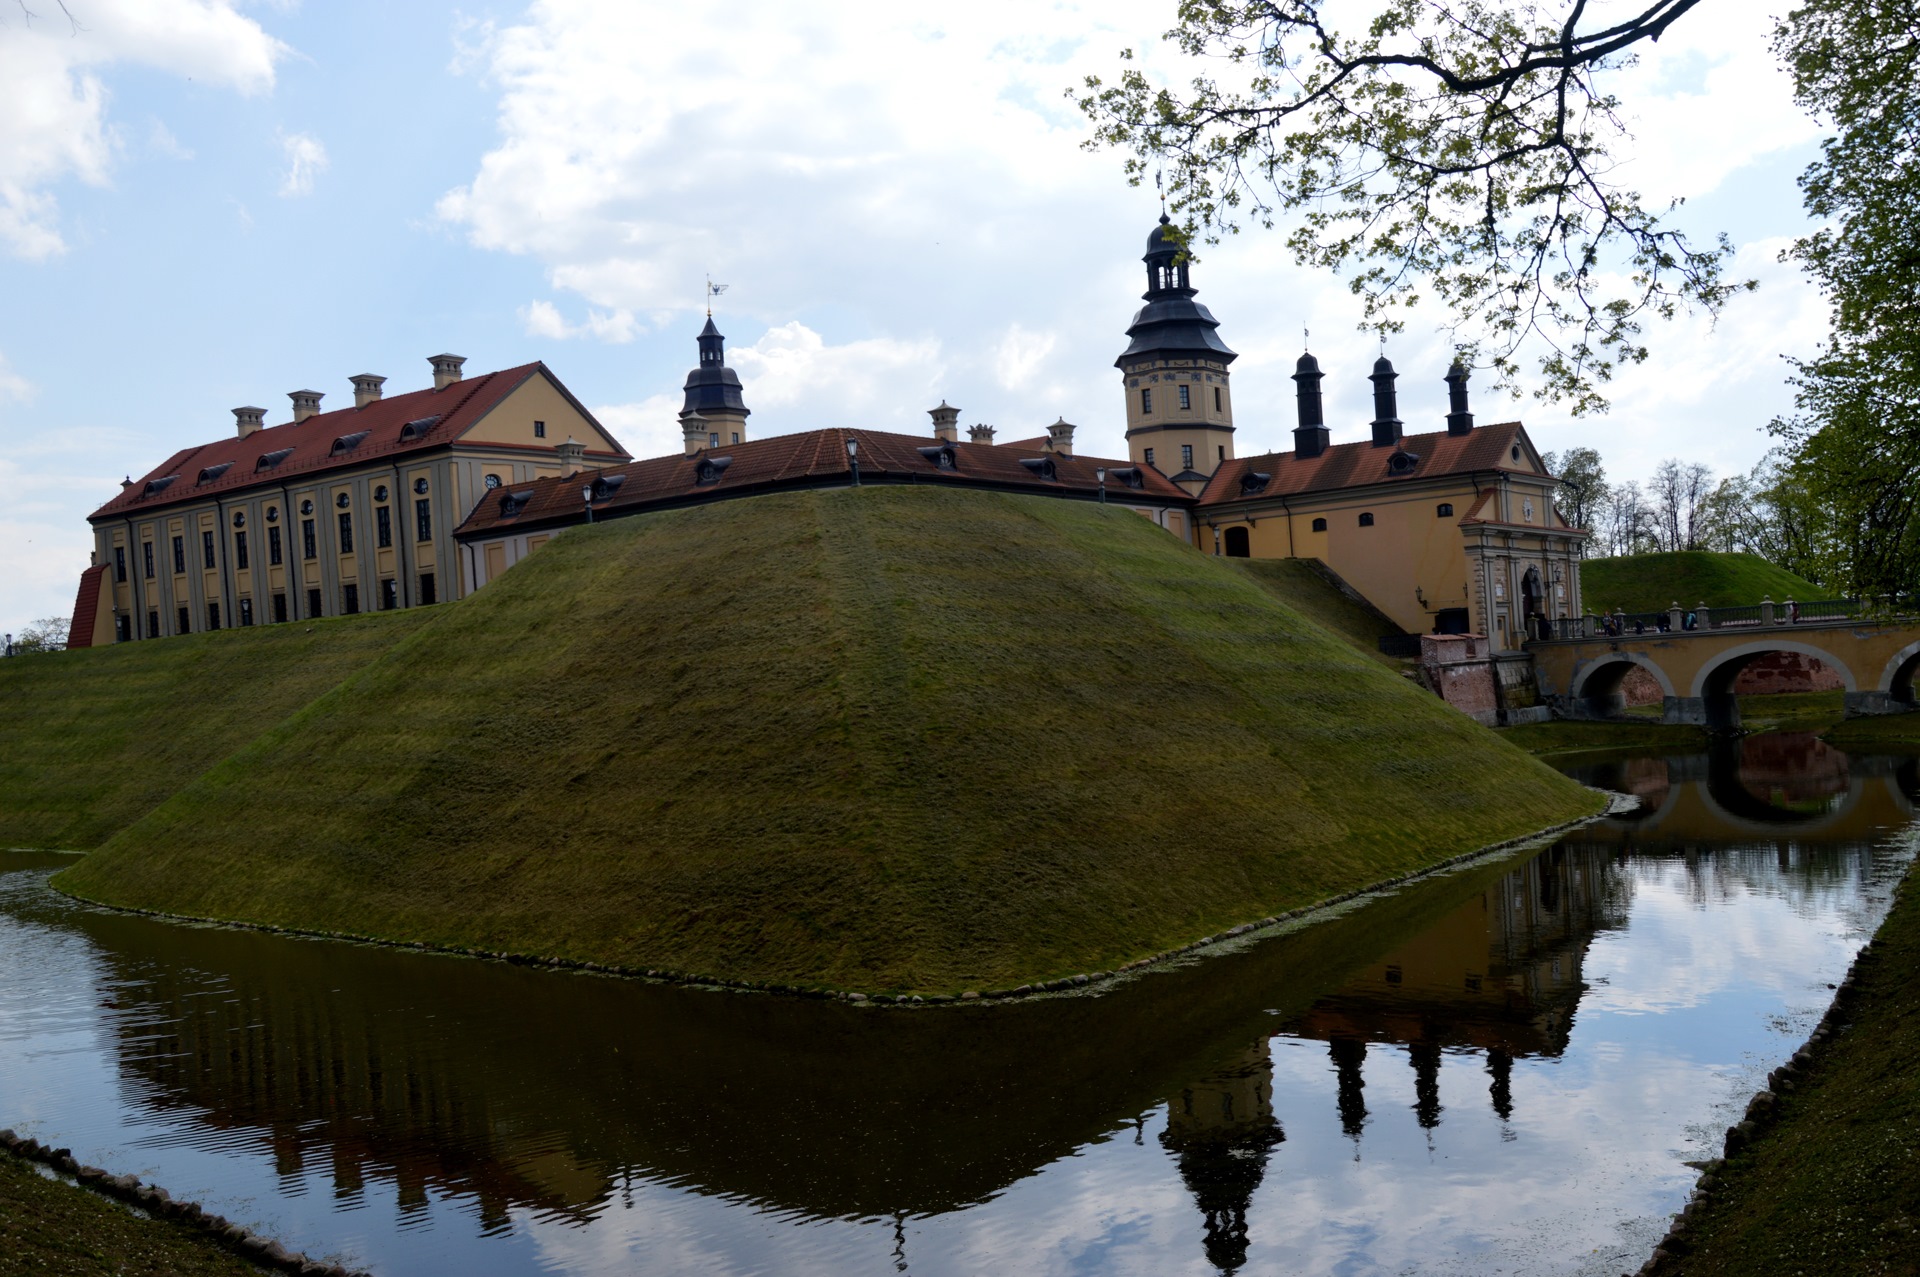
{"x":713,"y":395}
{"x":1386,"y":404}
{"x":1310,"y":437}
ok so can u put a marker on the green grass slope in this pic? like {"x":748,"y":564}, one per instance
{"x":1651,"y":582}
{"x":93,"y":739}
{"x":1305,"y":586}
{"x":875,"y":738}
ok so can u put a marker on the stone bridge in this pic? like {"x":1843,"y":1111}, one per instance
{"x":1875,"y":660}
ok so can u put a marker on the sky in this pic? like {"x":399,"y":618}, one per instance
{"x":211,"y":203}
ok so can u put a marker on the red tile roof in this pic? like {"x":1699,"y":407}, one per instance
{"x":813,"y":458}
{"x":447,"y":413}
{"x":1360,"y":464}
{"x":80,"y":633}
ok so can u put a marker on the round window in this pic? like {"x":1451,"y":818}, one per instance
{"x":306,"y":507}
{"x":420,"y":486}
{"x":1516,"y":452}
{"x":492,"y":481}
{"x":239,"y":518}
{"x":273,"y":514}
{"x":380,"y":493}
{"x":342,"y":500}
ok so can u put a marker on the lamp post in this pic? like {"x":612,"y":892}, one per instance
{"x":1100,"y":473}
{"x":853,"y":459}
{"x":586,"y":497}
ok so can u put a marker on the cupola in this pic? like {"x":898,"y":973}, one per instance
{"x":713,"y":396}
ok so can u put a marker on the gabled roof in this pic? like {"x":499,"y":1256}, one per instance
{"x":1361,"y":464}
{"x":1482,"y":511}
{"x":346,"y":437}
{"x":814,"y":458}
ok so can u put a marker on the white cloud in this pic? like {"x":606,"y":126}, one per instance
{"x":13,"y":387}
{"x":306,"y":159}
{"x":53,"y":114}
{"x":543,"y":319}
{"x":1019,"y":355}
{"x":161,"y":141}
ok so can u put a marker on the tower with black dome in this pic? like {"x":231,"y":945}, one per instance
{"x":714,"y":415}
{"x":1174,"y":370}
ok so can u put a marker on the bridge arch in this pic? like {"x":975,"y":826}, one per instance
{"x":1596,"y":684}
{"x":1713,"y":685}
{"x":1898,"y":678}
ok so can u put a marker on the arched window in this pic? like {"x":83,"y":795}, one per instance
{"x":1319,"y":525}
{"x":1444,"y":510}
{"x":1366,"y":520}
{"x":1237,"y":544}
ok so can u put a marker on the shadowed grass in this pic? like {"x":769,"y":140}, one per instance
{"x":873,"y":738}
{"x":1652,"y":582}
{"x":95,"y":738}
{"x":1303,"y":585}
{"x":52,"y":1227}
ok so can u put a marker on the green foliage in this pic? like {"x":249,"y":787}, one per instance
{"x":49,"y":634}
{"x":1460,"y":151}
{"x":1583,"y":484}
{"x":874,"y":738}
{"x":1650,"y":582}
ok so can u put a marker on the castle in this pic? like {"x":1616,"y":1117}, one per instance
{"x":405,"y":501}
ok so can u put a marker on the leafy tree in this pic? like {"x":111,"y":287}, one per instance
{"x":1454,"y":149}
{"x":1583,"y":483}
{"x":48,"y":634}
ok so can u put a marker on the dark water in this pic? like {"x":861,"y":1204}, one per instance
{"x":1502,"y":1070}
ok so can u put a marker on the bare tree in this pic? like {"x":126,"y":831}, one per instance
{"x":1677,"y":493}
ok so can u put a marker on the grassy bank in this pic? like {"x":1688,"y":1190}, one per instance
{"x":93,"y":739}
{"x":1546,"y":740}
{"x":1306,"y":587}
{"x":1899,"y":731}
{"x":1834,"y":1185}
{"x":1651,"y":582}
{"x":875,"y":739}
{"x":49,"y":1226}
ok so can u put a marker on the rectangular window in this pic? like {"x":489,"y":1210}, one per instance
{"x":1216,"y":400}
{"x":1149,"y":456}
{"x":736,"y":436}
{"x":240,"y":551}
{"x":1146,"y":401}
{"x":120,"y":563}
{"x":1186,"y":398}
{"x":273,"y":545}
{"x":423,"y":520}
{"x":213,"y":616}
{"x":1222,"y":450}
{"x":306,"y":539}
{"x":146,"y":548}
{"x":539,"y":429}
{"x":246,"y":611}
{"x":346,"y":532}
{"x":1186,"y":456}
{"x":206,"y":547}
{"x":186,"y":621}
{"x":713,"y":440}
{"x":153,"y":625}
{"x":179,"y":555}
{"x":349,"y":599}
{"x":279,"y":608}
{"x":122,"y":628}
{"x":383,"y":525}
{"x":313,"y":603}
{"x":389,"y":594}
{"x":426,"y":588}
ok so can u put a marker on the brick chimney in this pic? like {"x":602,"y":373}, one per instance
{"x":1060,"y":437}
{"x":446,"y":369}
{"x":306,"y":403}
{"x":366,"y":389}
{"x":946,"y":423}
{"x":573,"y":457}
{"x":248,"y":420}
{"x":980,"y":434}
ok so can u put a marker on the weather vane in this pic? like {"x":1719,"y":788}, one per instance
{"x":713,"y":291}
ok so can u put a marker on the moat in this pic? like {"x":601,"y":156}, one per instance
{"x":1503,"y":1069}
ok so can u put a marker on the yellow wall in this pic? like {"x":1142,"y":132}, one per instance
{"x":538,"y":399}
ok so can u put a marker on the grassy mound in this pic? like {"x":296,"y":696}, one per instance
{"x":95,"y":738}
{"x":1651,"y":582}
{"x":875,"y":738}
{"x":1305,"y":586}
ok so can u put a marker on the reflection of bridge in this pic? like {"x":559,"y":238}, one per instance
{"x":1875,"y":661}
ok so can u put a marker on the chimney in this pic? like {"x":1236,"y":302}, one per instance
{"x":248,"y":420}
{"x":980,"y":434}
{"x":446,"y":369}
{"x":694,"y":426}
{"x":366,"y":389}
{"x":946,"y":423}
{"x":1459,"y":420}
{"x":1310,"y":436}
{"x":1386,"y":404}
{"x":306,"y":403}
{"x":1060,"y":437}
{"x":573,"y":457}
{"x":126,"y":483}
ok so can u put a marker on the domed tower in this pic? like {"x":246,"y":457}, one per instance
{"x":1174,"y":369}
{"x":714,"y":415}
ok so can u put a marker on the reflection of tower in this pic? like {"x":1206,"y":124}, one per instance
{"x":1221,"y":1129}
{"x":1426,"y":1083}
{"x":1500,"y":1068}
{"x":1349,"y":1054}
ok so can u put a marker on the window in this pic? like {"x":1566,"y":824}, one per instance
{"x":426,"y":588}
{"x":186,"y":622}
{"x":279,"y":608}
{"x":380,"y":493}
{"x":389,"y":594}
{"x":713,"y":440}
{"x":383,"y":523}
{"x":153,"y":625}
{"x":1186,"y":456}
{"x":240,"y":551}
{"x":539,"y":429}
{"x":239,"y":518}
{"x":1223,"y":452}
{"x":273,"y":545}
{"x":146,"y":551}
{"x":120,"y":563}
{"x":736,"y":436}
{"x":1444,"y":510}
{"x":1146,"y":400}
{"x":213,"y":616}
{"x":246,"y":611}
{"x":313,"y":603}
{"x":423,"y":520}
{"x":346,"y":532}
{"x":306,"y":507}
{"x":206,"y":546}
{"x":179,"y":555}
{"x":349,"y":599}
{"x":343,"y":500}
{"x":306,"y":539}
{"x":420,"y":486}
{"x":1186,"y":398}
{"x":1238,"y":543}
{"x":491,"y":481}
{"x":1366,"y":520}
{"x":1216,"y":400}
{"x":1516,"y":452}
{"x":1319,"y":525}
{"x":122,"y":628}
{"x":1149,"y":456}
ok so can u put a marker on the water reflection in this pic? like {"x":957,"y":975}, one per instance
{"x":1443,"y":1023}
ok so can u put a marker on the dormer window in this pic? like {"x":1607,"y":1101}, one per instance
{"x":942,"y":456}
{"x":1254,"y":482}
{"x":1402,"y":462}
{"x":347,"y":443}
{"x":1041,"y":468}
{"x":268,"y":460}
{"x":155,"y":486}
{"x":211,"y":473}
{"x":711,"y":469}
{"x":1133,"y":477}
{"x":417,"y":428}
{"x":514,"y":502}
{"x":605,"y":485}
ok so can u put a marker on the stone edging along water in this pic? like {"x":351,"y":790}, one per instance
{"x":156,"y":1202}
{"x":1616,"y":802}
